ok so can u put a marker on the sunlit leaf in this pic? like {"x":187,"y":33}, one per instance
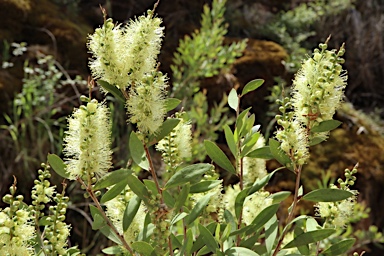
{"x":326,"y":126}
{"x":233,"y":99}
{"x":58,"y":165}
{"x":340,"y":247}
{"x":251,"y":86}
{"x":218,"y":156}
{"x":187,"y":174}
{"x":137,"y":151}
{"x":327,"y":195}
{"x":310,"y":237}
{"x":113,"y":192}
{"x":112,"y":178}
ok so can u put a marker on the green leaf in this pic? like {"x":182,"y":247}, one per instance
{"x":263,"y":152}
{"x":113,"y":250}
{"x":183,"y":195}
{"x":327,"y":195}
{"x":138,"y":188}
{"x":130,"y":211}
{"x":137,"y":151}
{"x":209,"y":240}
{"x":279,"y":154}
{"x":233,"y":99}
{"x":249,"y":143}
{"x":188,"y":243}
{"x":340,"y":247}
{"x":204,"y":186}
{"x":236,"y":251}
{"x":265,"y":215}
{"x":230,"y":140}
{"x":326,"y":126}
{"x":260,"y":183}
{"x":271,"y":228}
{"x":199,"y":207}
{"x":143,"y":248}
{"x":187,"y":174}
{"x":239,"y":202}
{"x":58,"y":165}
{"x":317,"y":140}
{"x":112,"y":178}
{"x":113,"y":192}
{"x":171,"y":103}
{"x":310,"y":237}
{"x":241,"y":122}
{"x":108,"y":232}
{"x":112,"y":89}
{"x":251,"y":86}
{"x":178,"y":217}
{"x":218,"y":156}
{"x":167,"y":126}
{"x":280,"y":196}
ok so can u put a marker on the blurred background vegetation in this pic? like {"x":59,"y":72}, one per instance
{"x":44,"y":71}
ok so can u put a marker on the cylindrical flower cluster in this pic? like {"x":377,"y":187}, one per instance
{"x":319,"y":86}
{"x":88,"y":141}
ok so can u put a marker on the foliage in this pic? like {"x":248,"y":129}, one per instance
{"x":33,"y":123}
{"x":295,"y":26}
{"x":188,"y":211}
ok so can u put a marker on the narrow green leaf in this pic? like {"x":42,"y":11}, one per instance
{"x":317,"y":140}
{"x":143,"y":248}
{"x":190,"y":173}
{"x":107,"y":231}
{"x":112,"y":89}
{"x":167,"y":126}
{"x":58,"y":165}
{"x":187,"y":244}
{"x":113,"y":192}
{"x":199,"y":207}
{"x":327,"y":195}
{"x":230,"y":140}
{"x":279,"y":154}
{"x":98,"y":222}
{"x":218,"y":156}
{"x":138,"y":188}
{"x":130,"y":211}
{"x":209,"y":240}
{"x":340,"y":247}
{"x":112,"y":178}
{"x":178,"y":217}
{"x":199,"y":243}
{"x":263,"y":152}
{"x":251,"y":86}
{"x":326,"y":126}
{"x":183,"y":195}
{"x":204,"y":186}
{"x":171,"y":103}
{"x":137,"y":151}
{"x":113,"y":250}
{"x":260,"y":183}
{"x":233,"y":99}
{"x":265,"y":215}
{"x":236,"y":251}
{"x":239,"y":202}
{"x":249,"y":144}
{"x":240,"y":120}
{"x":271,"y":228}
{"x":280,"y":196}
{"x":303,"y":249}
{"x":310,"y":237}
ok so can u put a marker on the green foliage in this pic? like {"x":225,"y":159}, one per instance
{"x":188,"y":211}
{"x":203,"y":54}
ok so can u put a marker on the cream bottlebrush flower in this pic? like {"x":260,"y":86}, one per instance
{"x":146,"y":104}
{"x":16,"y":234}
{"x":122,"y":55}
{"x":294,"y":140}
{"x":318,"y":87}
{"x":254,"y":168}
{"x":115,"y":211}
{"x":177,"y":145}
{"x":88,"y":141}
{"x":253,"y":204}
